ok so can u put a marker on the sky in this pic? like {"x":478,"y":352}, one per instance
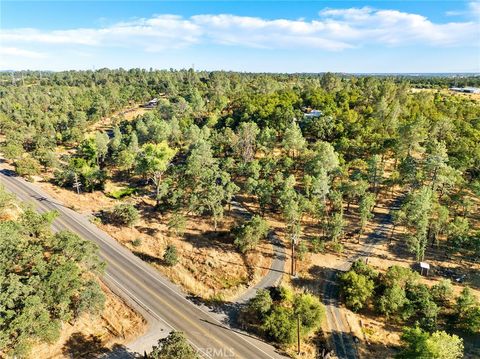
{"x":420,"y":36}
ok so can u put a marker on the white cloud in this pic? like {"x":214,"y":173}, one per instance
{"x":474,"y":8}
{"x":14,"y":51}
{"x":333,"y":30}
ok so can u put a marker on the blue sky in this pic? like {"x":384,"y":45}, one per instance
{"x":272,"y":36}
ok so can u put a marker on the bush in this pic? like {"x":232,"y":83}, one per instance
{"x":420,"y":344}
{"x":170,"y":256}
{"x":302,"y":250}
{"x":280,"y":325}
{"x":175,"y":346}
{"x":124,"y":214}
{"x":27,"y":166}
{"x":357,"y":289}
{"x":249,"y":234}
{"x":121,"y":193}
{"x":310,"y":311}
{"x":336,"y":247}
{"x":260,"y":305}
{"x":318,"y":245}
{"x":137,"y":242}
{"x":467,"y":310}
{"x":442,"y":293}
{"x":393,"y":302}
{"x":274,"y":313}
{"x":177,"y":224}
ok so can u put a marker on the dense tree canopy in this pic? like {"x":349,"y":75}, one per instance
{"x":45,"y":279}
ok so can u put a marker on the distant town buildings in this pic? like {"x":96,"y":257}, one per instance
{"x":465,"y":89}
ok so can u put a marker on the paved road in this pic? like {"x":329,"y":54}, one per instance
{"x":162,"y":303}
{"x":277,"y":268}
{"x":342,"y":339}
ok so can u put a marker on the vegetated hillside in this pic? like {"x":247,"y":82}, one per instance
{"x":314,"y":176}
{"x":50,"y":290}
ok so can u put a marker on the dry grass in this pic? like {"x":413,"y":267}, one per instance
{"x":473,"y":96}
{"x":107,"y":123}
{"x":209,"y":265}
{"x":88,"y":336}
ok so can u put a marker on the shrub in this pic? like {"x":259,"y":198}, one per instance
{"x":318,"y":245}
{"x":357,"y":289}
{"x":280,"y":325}
{"x":249,"y":234}
{"x":171,"y":255}
{"x":124,"y":214}
{"x":442,"y":293}
{"x":174,"y":346}
{"x":274,"y":313}
{"x":393,"y":302}
{"x":177,"y":224}
{"x":261,"y":304}
{"x":122,"y":192}
{"x":467,"y":310}
{"x":420,"y":344}
{"x":336,"y":247}
{"x":302,"y":250}
{"x":27,"y":166}
{"x":137,"y":242}
{"x":310,"y":311}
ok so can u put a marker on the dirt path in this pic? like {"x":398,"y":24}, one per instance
{"x":343,"y":341}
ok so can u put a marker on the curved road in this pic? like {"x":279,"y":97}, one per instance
{"x":342,"y":340}
{"x":162,"y":303}
{"x":277,"y":268}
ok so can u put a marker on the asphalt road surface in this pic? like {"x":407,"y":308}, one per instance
{"x":277,"y":268}
{"x":163,"y":304}
{"x":343,"y":341}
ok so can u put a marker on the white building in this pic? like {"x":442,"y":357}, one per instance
{"x":313,"y":114}
{"x":465,"y":89}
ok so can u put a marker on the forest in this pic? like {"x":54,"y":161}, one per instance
{"x":312,"y":156}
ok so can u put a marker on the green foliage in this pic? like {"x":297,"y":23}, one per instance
{"x":177,"y":224}
{"x":7,"y":201}
{"x":442,"y":292}
{"x":137,"y":242}
{"x":174,"y":346}
{"x":122,"y":192}
{"x":260,"y":305}
{"x":467,"y":310}
{"x":206,"y":187}
{"x":365,"y":208}
{"x":357,"y":289}
{"x":280,"y":326}
{"x":89,"y":175}
{"x":170,"y":257}
{"x":415,"y":215}
{"x":302,"y":250}
{"x":439,"y":345}
{"x":393,"y":302}
{"x":27,"y":166}
{"x":46,"y":279}
{"x":308,"y":308}
{"x":318,"y":245}
{"x":153,"y":161}
{"x":123,"y":214}
{"x":275,"y":313}
{"x":249,"y":234}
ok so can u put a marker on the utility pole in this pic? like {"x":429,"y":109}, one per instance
{"x":294,"y":264}
{"x":298,"y":334}
{"x":76,"y":183}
